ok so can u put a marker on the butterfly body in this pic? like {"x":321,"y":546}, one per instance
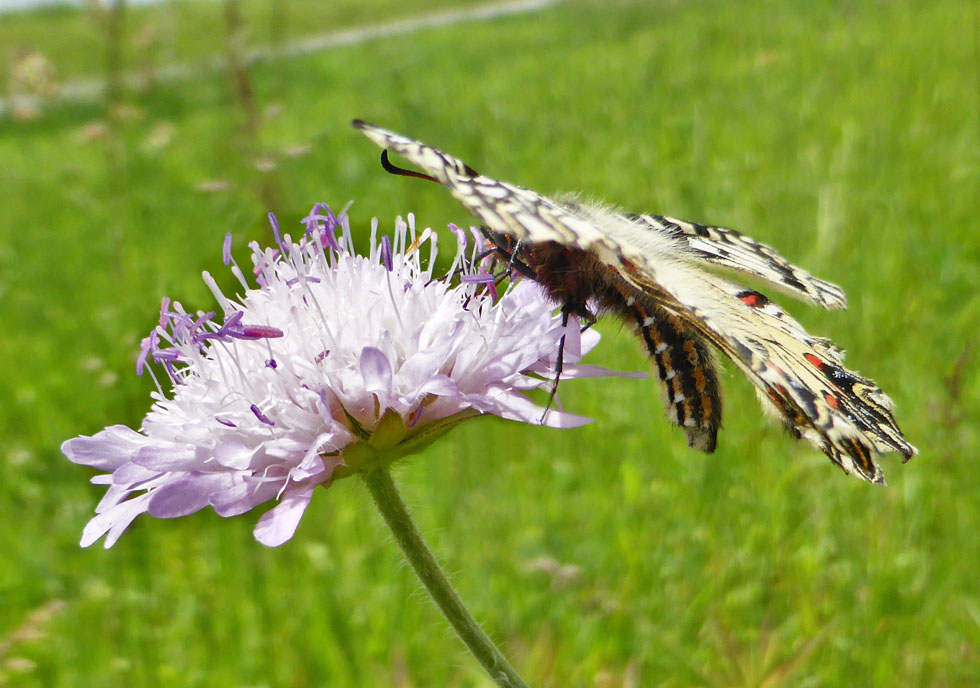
{"x":649,"y":270}
{"x":588,"y":287}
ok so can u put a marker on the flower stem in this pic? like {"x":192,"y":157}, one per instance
{"x":396,"y":515}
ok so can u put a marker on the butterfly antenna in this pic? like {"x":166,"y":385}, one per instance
{"x":402,"y":172}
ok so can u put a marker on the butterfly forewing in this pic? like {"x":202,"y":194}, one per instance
{"x":649,"y":270}
{"x":508,"y":208}
{"x":735,"y":251}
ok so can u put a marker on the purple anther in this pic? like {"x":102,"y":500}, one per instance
{"x":164,"y":311}
{"x":181,"y":326}
{"x":310,"y":221}
{"x":276,"y":234}
{"x":171,"y":372}
{"x":322,"y":234}
{"x":460,"y":235}
{"x":233,"y":329}
{"x":226,"y":423}
{"x":479,"y":278}
{"x":320,"y":213}
{"x":271,"y":363}
{"x":329,"y":217}
{"x":226,"y":250}
{"x":230,"y":327}
{"x":258,"y":414}
{"x":196,"y":331}
{"x":322,"y":355}
{"x":259,"y":332}
{"x":329,"y":240}
{"x":386,"y":253}
{"x":293,"y":281}
{"x":168,"y":354}
{"x":147,"y":346}
{"x":485,"y":278}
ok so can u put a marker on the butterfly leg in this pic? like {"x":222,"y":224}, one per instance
{"x":567,"y":310}
{"x":515,"y":252}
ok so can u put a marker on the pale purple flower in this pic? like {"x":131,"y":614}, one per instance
{"x":332,"y":361}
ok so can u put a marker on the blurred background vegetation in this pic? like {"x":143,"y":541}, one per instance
{"x":846,"y":133}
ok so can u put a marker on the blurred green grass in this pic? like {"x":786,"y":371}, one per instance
{"x":845,"y":134}
{"x":182,"y":30}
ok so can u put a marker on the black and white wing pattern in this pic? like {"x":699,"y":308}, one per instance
{"x":649,"y":270}
{"x":735,"y":251}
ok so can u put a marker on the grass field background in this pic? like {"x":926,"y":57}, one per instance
{"x":846,"y":134}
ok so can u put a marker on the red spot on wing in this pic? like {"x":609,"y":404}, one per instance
{"x":815,"y":360}
{"x":832,"y":400}
{"x":778,"y":394}
{"x":750,"y":299}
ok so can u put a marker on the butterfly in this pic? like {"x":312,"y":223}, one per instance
{"x":661,"y":275}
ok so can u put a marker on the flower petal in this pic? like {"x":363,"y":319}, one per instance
{"x":106,"y":450}
{"x":243,"y":496}
{"x":168,"y":458}
{"x":376,"y":371}
{"x":183,"y":497}
{"x":279,"y":524}
{"x":516,"y":406}
{"x":235,"y":455}
{"x":114,"y":521}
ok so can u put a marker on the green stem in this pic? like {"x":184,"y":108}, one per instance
{"x":396,"y":515}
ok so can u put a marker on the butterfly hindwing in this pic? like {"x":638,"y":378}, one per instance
{"x":687,"y":370}
{"x":800,"y":378}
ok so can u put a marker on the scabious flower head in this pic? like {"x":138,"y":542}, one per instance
{"x":333,"y":363}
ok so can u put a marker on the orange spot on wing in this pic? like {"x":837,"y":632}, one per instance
{"x":831,"y":400}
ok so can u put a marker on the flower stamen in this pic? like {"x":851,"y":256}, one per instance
{"x":357,"y":361}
